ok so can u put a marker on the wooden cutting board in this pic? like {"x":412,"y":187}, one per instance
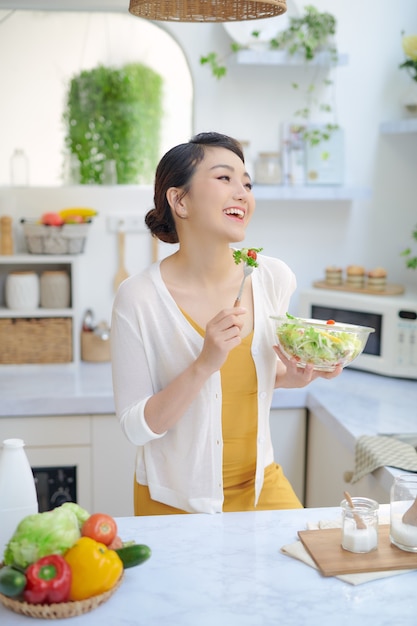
{"x":390,"y":288}
{"x":324,"y":546}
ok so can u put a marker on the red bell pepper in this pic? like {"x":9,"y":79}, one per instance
{"x":48,"y":580}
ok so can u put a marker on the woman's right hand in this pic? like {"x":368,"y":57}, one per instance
{"x":166,"y":407}
{"x":223,"y":333}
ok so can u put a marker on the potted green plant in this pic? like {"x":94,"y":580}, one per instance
{"x":410,"y":257}
{"x":306,"y":36}
{"x":114,"y":114}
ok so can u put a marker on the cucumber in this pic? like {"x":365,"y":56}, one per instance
{"x":133,"y":555}
{"x":12,"y":581}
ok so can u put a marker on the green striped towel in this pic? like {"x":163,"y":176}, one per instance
{"x":376,"y":451}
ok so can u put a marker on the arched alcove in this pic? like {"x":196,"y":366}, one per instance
{"x":42,"y":50}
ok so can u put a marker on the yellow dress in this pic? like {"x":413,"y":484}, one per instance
{"x":239,"y":424}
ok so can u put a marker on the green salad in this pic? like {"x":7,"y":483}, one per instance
{"x":322,"y":347}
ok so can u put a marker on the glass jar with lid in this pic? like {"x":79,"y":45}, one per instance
{"x":360,"y":525}
{"x":268,"y":169}
{"x":403,"y":508}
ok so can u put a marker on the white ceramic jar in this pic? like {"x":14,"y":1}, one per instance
{"x":22,"y":290}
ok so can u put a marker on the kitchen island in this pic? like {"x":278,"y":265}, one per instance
{"x":228,"y":570}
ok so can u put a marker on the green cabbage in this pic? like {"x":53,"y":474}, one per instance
{"x":38,"y":535}
{"x":81,"y":514}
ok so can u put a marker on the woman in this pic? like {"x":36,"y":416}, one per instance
{"x":193,"y":375}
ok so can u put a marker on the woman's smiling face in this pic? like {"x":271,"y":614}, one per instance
{"x":220,"y":198}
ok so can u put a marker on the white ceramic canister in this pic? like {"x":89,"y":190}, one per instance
{"x":22,"y":290}
{"x":17,"y":489}
{"x":55,"y":289}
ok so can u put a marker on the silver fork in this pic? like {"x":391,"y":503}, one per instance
{"x":247,"y":270}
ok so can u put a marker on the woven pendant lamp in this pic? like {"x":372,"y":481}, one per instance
{"x":206,"y":10}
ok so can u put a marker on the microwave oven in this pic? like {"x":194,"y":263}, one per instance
{"x":392,"y":349}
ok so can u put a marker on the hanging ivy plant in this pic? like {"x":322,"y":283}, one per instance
{"x":115,"y":114}
{"x":306,"y":36}
{"x":411,"y":255}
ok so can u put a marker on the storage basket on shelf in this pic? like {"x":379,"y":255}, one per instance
{"x":43,"y":340}
{"x":45,"y":239}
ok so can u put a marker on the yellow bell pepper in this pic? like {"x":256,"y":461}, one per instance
{"x":95,"y":569}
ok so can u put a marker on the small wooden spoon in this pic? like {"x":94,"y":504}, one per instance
{"x":359,"y":521}
{"x":410,"y":516}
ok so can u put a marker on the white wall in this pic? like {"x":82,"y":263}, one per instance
{"x":39,"y":54}
{"x":250,"y":103}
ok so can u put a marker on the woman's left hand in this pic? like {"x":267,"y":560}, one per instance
{"x":290,"y":376}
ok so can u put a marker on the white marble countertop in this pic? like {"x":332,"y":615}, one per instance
{"x":67,"y":389}
{"x":353,"y":404}
{"x":228,"y":570}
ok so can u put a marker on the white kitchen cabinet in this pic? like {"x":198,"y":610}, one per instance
{"x":288,"y":433}
{"x":56,"y":442}
{"x":95,"y":444}
{"x":39,"y":264}
{"x":113,"y":465}
{"x":327,"y":461}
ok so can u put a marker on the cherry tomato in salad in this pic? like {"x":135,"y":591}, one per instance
{"x":330,"y":322}
{"x":100,"y":527}
{"x":253,"y":254}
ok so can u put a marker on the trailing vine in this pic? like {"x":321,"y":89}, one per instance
{"x":306,"y":36}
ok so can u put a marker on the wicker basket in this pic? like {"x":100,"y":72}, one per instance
{"x":66,"y":239}
{"x":94,"y":349}
{"x":35,"y":340}
{"x":60,"y":610}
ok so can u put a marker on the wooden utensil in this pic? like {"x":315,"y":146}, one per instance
{"x":122,"y":272}
{"x":410,"y":516}
{"x":359,"y":521}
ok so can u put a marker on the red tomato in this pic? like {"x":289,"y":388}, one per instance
{"x":330,"y":322}
{"x":100,"y":527}
{"x":116,"y":544}
{"x":252,"y":254}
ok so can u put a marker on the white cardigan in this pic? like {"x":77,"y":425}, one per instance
{"x":151,"y":343}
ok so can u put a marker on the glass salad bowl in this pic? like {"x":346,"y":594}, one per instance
{"x":323,"y":343}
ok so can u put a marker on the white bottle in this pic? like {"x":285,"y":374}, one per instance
{"x":19,"y":169}
{"x":17,"y":490}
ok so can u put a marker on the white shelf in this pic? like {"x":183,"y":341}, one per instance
{"x":35,"y":313}
{"x":399,"y":126}
{"x":37,"y":259}
{"x":279,"y":192}
{"x":281,"y":57}
{"x":40,"y":263}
